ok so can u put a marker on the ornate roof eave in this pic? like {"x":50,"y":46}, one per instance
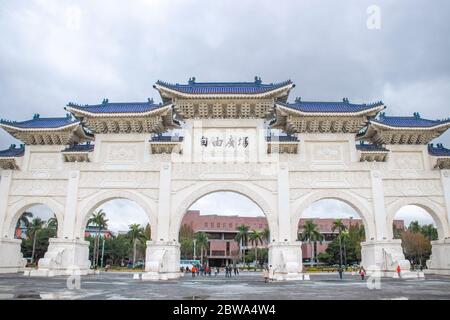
{"x":168,"y":93}
{"x":79,"y":112}
{"x":441,"y":126}
{"x":371,"y":111}
{"x":76,"y":131}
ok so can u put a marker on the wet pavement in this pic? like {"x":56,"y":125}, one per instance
{"x":251,"y":286}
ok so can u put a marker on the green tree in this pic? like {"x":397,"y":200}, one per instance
{"x":148,"y":232}
{"x":99,"y":220}
{"x":414,"y":226}
{"x":135,"y":234}
{"x":266,"y":235}
{"x":429,"y":231}
{"x":186,"y":236}
{"x":52,"y":224}
{"x":36,"y":225}
{"x":416,"y":246}
{"x":202,"y":243}
{"x":311,"y":234}
{"x":256,"y":238}
{"x":242,"y":238}
{"x":341,"y":227}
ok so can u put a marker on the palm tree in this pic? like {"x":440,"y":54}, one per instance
{"x":136,"y":233}
{"x":266,"y":235}
{"x":98,"y":219}
{"x":340,"y":226}
{"x":202,"y":243}
{"x":52,"y":224}
{"x":256,"y":237}
{"x":148,"y":232}
{"x":24,"y":220}
{"x":34,"y":227}
{"x":242,"y":238}
{"x":311,"y":234}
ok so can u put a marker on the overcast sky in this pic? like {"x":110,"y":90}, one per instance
{"x":53,"y":52}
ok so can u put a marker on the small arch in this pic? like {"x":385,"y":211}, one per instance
{"x":300,"y":205}
{"x":15,"y":211}
{"x":103,"y":197}
{"x":202,"y":190}
{"x":435,"y":211}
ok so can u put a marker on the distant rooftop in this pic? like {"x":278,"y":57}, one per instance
{"x":12,"y":151}
{"x":415,"y":121}
{"x":117,"y":107}
{"x":37,"y":122}
{"x":343,"y":106}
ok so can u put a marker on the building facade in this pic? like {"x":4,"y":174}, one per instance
{"x":243,"y":137}
{"x":221,"y":231}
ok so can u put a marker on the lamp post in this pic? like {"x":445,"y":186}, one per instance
{"x":195,"y":240}
{"x":103,"y":251}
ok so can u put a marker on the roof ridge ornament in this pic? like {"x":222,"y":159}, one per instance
{"x":345,"y":100}
{"x":416,"y":115}
{"x":258,"y":80}
{"x":36,"y":116}
{"x":150,"y":100}
{"x":105,"y":101}
{"x":298,"y":99}
{"x":191,"y":80}
{"x":382,"y":115}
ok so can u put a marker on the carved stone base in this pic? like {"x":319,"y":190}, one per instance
{"x":439,"y":262}
{"x":385,"y":256}
{"x":11,"y":260}
{"x":162,"y":261}
{"x":64,"y":257}
{"x":285,"y":261}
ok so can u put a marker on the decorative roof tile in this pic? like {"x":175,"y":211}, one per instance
{"x":287,"y":138}
{"x":438,"y":150}
{"x":329,"y":107}
{"x":37,"y":122}
{"x":87,"y":147}
{"x":193,"y":87}
{"x":118,"y":107}
{"x":161,"y":138}
{"x":411,"y":122}
{"x":12,"y":151}
{"x":371,"y":147}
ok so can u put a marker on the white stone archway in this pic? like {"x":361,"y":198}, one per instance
{"x":23,"y":205}
{"x":300,"y":205}
{"x":199,"y":190}
{"x":437,"y":212}
{"x":90,"y":205}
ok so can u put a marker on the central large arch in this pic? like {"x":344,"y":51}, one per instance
{"x":261,"y":197}
{"x":299,"y":206}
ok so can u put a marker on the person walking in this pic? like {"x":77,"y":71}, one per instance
{"x":399,"y":271}
{"x":341,"y":271}
{"x":266,"y":275}
{"x":193,"y":271}
{"x":235,"y":270}
{"x":362,"y":273}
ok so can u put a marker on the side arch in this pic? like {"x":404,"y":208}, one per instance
{"x":86,"y":208}
{"x":300,"y":205}
{"x":437,"y":212}
{"x":261,"y":197}
{"x":17,"y":209}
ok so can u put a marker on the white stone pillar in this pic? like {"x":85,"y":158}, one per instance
{"x":284,"y":220}
{"x":71,"y":207}
{"x":5,"y":184}
{"x":378,"y":253}
{"x":379,"y":207}
{"x":445,"y":178}
{"x":165,"y":176}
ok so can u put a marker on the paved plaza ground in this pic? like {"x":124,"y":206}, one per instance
{"x":245,"y":286}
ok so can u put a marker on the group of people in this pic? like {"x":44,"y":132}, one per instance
{"x":205,"y":270}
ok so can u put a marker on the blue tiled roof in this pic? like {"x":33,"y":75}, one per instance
{"x":161,"y":138}
{"x":287,"y":138}
{"x":329,"y":107}
{"x":414,"y":121}
{"x":371,"y":147}
{"x":38,"y":122}
{"x":438,"y":151}
{"x":12,"y":151}
{"x":255,"y":87}
{"x":87,"y":147}
{"x":118,"y":107}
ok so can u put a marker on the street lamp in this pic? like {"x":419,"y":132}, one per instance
{"x":195,"y":240}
